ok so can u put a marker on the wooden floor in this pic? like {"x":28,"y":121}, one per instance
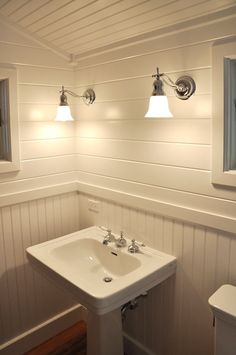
{"x":71,"y":341}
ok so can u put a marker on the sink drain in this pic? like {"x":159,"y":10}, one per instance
{"x":107,"y":279}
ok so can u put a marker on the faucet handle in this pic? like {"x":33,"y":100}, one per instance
{"x":133,"y":247}
{"x":121,"y":241}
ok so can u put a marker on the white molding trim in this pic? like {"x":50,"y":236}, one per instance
{"x":220,"y":51}
{"x":29,"y":195}
{"x":186,"y":214}
{"x":35,"y":336}
{"x":200,"y":217}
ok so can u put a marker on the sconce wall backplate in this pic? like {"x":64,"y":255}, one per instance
{"x":89,"y":96}
{"x":185,"y":87}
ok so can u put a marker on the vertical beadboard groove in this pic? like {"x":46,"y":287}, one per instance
{"x":27,"y":298}
{"x":175,"y":318}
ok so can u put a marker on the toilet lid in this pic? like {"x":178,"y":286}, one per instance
{"x":223,"y":302}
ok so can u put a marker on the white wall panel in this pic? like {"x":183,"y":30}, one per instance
{"x":46,"y":130}
{"x":181,"y":179}
{"x":53,"y":76}
{"x":198,"y":107}
{"x":27,"y":298}
{"x":47,"y":148}
{"x":183,"y":155}
{"x":173,"y":58}
{"x":177,"y":130}
{"x":121,"y":150}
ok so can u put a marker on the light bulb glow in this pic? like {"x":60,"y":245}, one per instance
{"x":64,"y":114}
{"x":158,"y":107}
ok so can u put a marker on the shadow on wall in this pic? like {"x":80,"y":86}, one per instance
{"x":28,"y":299}
{"x":160,"y":313}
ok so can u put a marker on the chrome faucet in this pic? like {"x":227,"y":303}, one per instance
{"x":121,"y":241}
{"x":109,"y":237}
{"x":133,"y":247}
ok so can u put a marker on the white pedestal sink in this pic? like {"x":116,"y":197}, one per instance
{"x":81,"y":263}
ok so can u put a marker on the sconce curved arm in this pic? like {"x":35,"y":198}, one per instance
{"x":184,"y":86}
{"x":88,"y":96}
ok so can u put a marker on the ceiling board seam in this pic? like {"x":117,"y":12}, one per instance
{"x":136,"y":25}
{"x":30,"y":13}
{"x":147,"y":21}
{"x":109,"y":16}
{"x":53,"y":12}
{"x":19,"y":7}
{"x":166,"y":33}
{"x":82,"y":18}
{"x":27,"y":34}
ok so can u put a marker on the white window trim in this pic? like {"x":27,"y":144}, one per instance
{"x":220,"y":50}
{"x":13,"y":164}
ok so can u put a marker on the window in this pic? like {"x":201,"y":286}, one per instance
{"x":9,"y":135}
{"x":224,"y":113}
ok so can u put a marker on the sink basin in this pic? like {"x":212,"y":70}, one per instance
{"x":101,"y":277}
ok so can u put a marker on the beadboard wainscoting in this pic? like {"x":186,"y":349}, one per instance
{"x":174,"y":319}
{"x":27,"y":299}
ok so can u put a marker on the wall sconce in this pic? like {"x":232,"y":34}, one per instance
{"x":63,"y":110}
{"x":184,"y":87}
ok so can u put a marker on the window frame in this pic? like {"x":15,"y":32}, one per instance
{"x":221,"y":50}
{"x":11,"y":161}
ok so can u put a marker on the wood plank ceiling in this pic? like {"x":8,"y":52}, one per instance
{"x":82,"y":27}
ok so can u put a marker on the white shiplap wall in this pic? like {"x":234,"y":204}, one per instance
{"x":27,"y":299}
{"x":175,"y":318}
{"x":168,"y":160}
{"x":47,"y":147}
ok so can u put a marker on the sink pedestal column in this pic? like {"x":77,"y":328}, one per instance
{"x":104,"y":333}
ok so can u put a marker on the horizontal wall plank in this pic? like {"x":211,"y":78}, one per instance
{"x":41,"y":167}
{"x":47,"y":148}
{"x":183,"y":155}
{"x":198,"y":106}
{"x":45,"y":76}
{"x":40,"y":187}
{"x":188,"y":180}
{"x":161,"y":130}
{"x":142,"y":86}
{"x":37,"y":112}
{"x":168,"y":60}
{"x":46,"y":130}
{"x":39,"y":93}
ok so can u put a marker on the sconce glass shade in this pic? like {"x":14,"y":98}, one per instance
{"x":64,"y":114}
{"x":158,"y":107}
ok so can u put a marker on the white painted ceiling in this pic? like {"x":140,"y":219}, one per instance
{"x":76,"y":28}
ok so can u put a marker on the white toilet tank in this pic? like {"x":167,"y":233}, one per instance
{"x":223,"y":305}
